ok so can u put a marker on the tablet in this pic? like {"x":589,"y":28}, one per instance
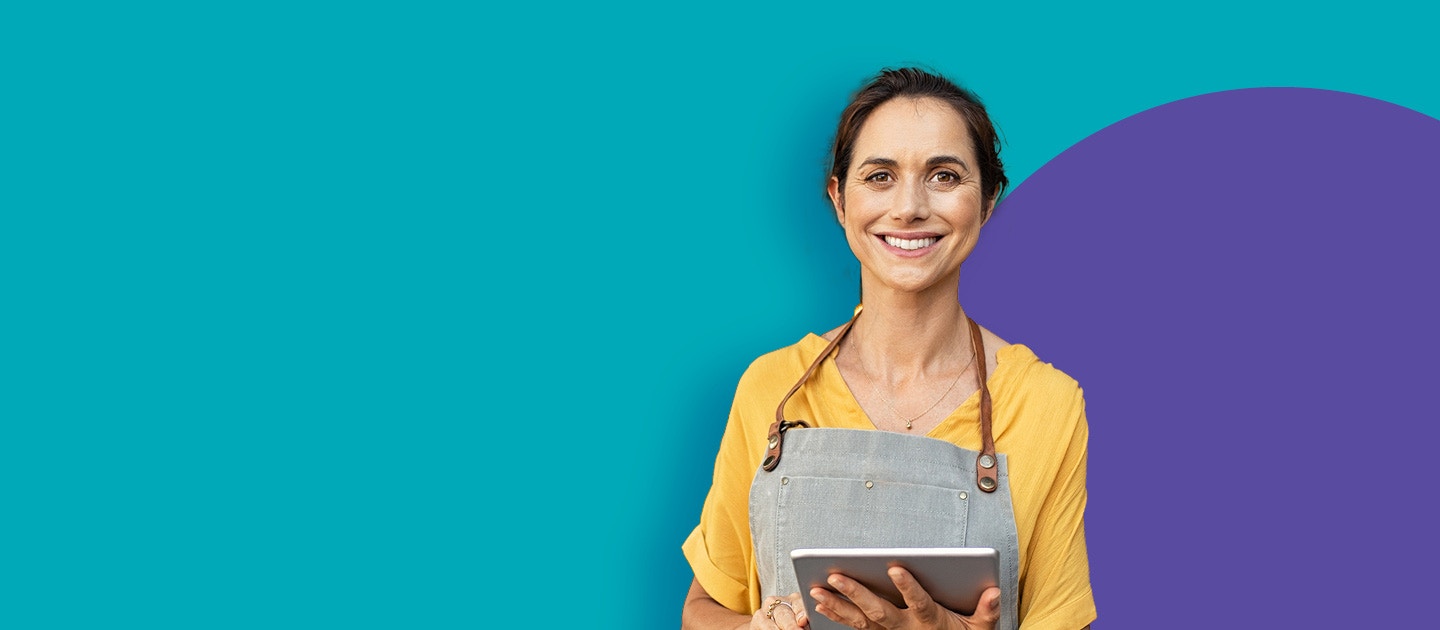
{"x":954,"y":576}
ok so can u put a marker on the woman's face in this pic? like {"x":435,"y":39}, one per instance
{"x":912,"y":202}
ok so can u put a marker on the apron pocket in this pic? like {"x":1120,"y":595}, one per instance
{"x":831,"y":512}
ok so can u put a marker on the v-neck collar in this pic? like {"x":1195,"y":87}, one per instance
{"x":828,"y":378}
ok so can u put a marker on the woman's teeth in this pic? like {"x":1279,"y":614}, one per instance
{"x":911,"y":244}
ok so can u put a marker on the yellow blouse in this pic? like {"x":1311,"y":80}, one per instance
{"x":1038,"y":416}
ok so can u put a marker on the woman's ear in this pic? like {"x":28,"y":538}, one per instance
{"x":989,"y":209}
{"x":837,"y":199}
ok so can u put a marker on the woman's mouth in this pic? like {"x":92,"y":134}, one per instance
{"x":910,"y":244}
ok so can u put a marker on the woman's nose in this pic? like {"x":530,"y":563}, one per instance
{"x":913,"y":203}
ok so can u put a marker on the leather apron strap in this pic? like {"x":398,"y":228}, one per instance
{"x":985,"y":471}
{"x":778,"y":428}
{"x":986,"y":475}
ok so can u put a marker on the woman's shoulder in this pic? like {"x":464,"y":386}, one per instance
{"x":765,"y":383}
{"x":772,"y":369}
{"x":1026,"y":370}
{"x":1042,"y":391}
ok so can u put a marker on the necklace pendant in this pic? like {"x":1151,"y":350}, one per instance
{"x":907,"y":425}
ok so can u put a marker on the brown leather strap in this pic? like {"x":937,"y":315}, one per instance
{"x":986,"y":465}
{"x":776,"y":440}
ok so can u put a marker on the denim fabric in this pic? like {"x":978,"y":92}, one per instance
{"x":921,"y":493}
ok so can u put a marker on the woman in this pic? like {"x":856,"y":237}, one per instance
{"x":946,"y":434}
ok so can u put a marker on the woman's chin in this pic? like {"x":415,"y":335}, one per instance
{"x":917,"y":286}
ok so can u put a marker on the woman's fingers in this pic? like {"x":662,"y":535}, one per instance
{"x":987,"y":612}
{"x":837,"y":609}
{"x":923,"y":608}
{"x":873,"y":610}
{"x":917,"y":600}
{"x":797,"y":603}
{"x":782,"y":613}
{"x":867,"y":610}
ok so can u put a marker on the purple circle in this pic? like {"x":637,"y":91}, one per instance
{"x":1243,"y":282}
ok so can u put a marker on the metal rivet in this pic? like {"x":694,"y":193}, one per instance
{"x":963,"y":496}
{"x":774,"y":439}
{"x":987,"y":461}
{"x":869,"y":484}
{"x":784,"y":480}
{"x":987,"y":483}
{"x":768,"y":461}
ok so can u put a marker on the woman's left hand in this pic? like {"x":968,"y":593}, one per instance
{"x":868,"y":611}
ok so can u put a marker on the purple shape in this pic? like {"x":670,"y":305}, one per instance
{"x":1244,"y":282}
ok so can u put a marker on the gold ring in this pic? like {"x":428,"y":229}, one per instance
{"x":770,"y":612}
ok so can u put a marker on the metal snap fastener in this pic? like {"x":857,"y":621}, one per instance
{"x":964,"y":495}
{"x":774,"y":439}
{"x":768,"y":461}
{"x":784,"y":480}
{"x":987,"y":461}
{"x":869,"y":484}
{"x":987,"y":483}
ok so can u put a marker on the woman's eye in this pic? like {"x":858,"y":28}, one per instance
{"x":878,"y":177}
{"x":946,"y":177}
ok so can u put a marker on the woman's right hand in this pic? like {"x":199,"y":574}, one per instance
{"x":772,"y":616}
{"x":861,"y":608}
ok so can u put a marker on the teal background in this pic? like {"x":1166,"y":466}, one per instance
{"x":374,"y":315}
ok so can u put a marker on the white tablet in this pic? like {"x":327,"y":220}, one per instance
{"x":953,"y":576}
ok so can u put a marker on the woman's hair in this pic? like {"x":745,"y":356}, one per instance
{"x":917,"y":83}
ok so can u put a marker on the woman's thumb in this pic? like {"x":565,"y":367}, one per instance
{"x":989,"y":608}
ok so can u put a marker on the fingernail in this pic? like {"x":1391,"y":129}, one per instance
{"x":834,"y":581}
{"x":995,"y":603}
{"x":818,"y":594}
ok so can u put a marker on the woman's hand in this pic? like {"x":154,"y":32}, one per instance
{"x":702,"y":612}
{"x":774,"y":615}
{"x":868,"y":611}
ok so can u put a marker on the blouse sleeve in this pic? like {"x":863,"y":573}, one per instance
{"x":1056,"y":593}
{"x":719,"y":548}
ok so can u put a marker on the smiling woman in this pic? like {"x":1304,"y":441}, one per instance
{"x":912,"y":207}
{"x":910,"y":425}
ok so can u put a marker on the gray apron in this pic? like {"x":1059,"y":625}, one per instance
{"x":873,"y":488}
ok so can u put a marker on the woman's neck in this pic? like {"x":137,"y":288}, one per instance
{"x":902,"y":335}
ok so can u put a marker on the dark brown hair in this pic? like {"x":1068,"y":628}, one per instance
{"x":917,"y":83}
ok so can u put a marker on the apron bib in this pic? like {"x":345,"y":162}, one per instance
{"x":874,"y":488}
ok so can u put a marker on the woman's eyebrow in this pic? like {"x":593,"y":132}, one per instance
{"x":946,"y":159}
{"x":930,"y":163}
{"x":879,"y":161}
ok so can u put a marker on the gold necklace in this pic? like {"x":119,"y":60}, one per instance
{"x":909,"y":423}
